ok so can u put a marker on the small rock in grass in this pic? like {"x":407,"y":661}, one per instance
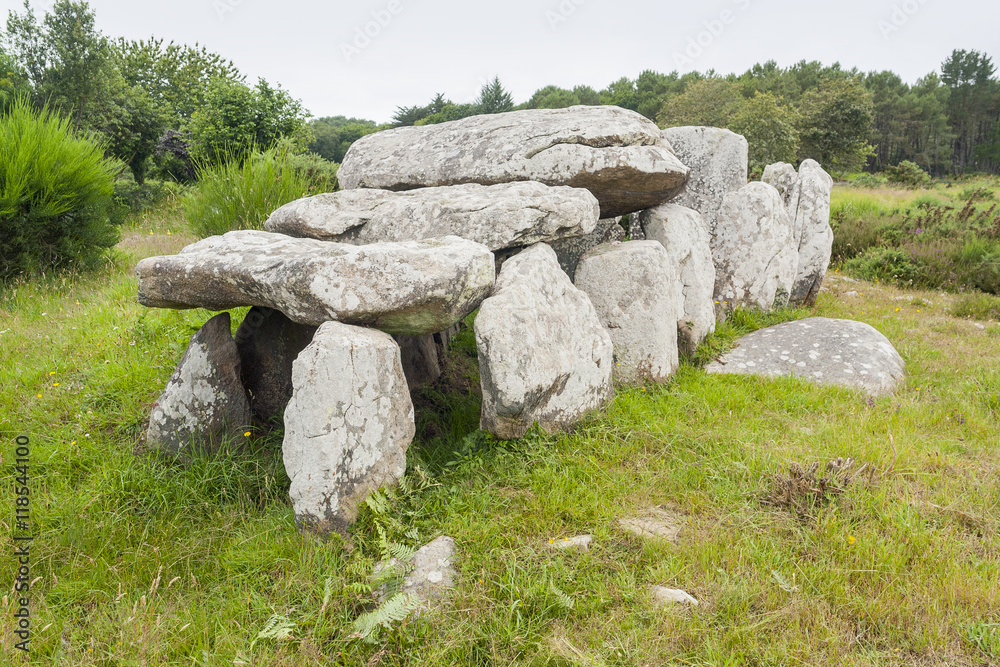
{"x":654,"y":524}
{"x":430,"y":572}
{"x":672,"y":596}
{"x":851,"y":295}
{"x":581,"y":542}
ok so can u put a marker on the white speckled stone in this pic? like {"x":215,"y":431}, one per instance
{"x":684,"y":233}
{"x":347,"y":426}
{"x":784,"y":178}
{"x":813,"y":233}
{"x":413,"y":287}
{"x":581,"y":542}
{"x":636,"y":291}
{"x":672,"y":596}
{"x":821,"y":350}
{"x":617,"y":154}
{"x":718,"y":160}
{"x":655,"y":523}
{"x":204,"y":402}
{"x":429,"y":573}
{"x":543,"y":354}
{"x":497,"y":216}
{"x":754,"y":252}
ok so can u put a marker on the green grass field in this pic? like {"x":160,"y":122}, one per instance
{"x":138,"y":563}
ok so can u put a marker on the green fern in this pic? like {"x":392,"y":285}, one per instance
{"x":277,"y":628}
{"x":394,"y":610}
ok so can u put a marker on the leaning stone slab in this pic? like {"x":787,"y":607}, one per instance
{"x":684,"y":233}
{"x":754,"y":252}
{"x":615,"y":153}
{"x":718,"y":160}
{"x":414,"y":287}
{"x":635,"y":288}
{"x":497,"y":216}
{"x":543,"y":354}
{"x":421,"y":361}
{"x":348,"y":425}
{"x":204,"y":401}
{"x":812,"y":227}
{"x":268,"y":343}
{"x":825,"y":351}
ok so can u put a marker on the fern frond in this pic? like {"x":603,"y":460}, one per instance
{"x":393,"y":610}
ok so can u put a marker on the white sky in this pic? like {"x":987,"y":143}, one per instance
{"x":454,"y":46}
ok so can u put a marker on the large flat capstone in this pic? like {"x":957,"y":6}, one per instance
{"x":347,"y":426}
{"x":617,"y":154}
{"x":818,"y":349}
{"x":413,"y":287}
{"x":498,"y":216}
{"x":543,"y":354}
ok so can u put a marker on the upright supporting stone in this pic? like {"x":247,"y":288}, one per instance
{"x":543,"y":354}
{"x":718,"y":160}
{"x":754,"y":252}
{"x":268,"y":343}
{"x":635,"y":288}
{"x":569,"y":251}
{"x":815,"y":236}
{"x":348,"y":425}
{"x":204,"y":401}
{"x":684,"y":233}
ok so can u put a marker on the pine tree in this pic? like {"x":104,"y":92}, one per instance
{"x":494,"y":99}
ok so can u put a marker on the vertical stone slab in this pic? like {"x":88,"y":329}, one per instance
{"x":543,"y":354}
{"x":635,"y":288}
{"x":347,"y":426}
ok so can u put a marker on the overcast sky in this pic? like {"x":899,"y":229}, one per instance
{"x":364,"y":58}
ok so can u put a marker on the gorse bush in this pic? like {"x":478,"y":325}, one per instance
{"x":55,"y":193}
{"x":909,"y":174}
{"x":241,"y":194}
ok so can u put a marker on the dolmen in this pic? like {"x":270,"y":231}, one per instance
{"x":354,"y":294}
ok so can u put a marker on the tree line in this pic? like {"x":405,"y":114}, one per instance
{"x":164,"y":109}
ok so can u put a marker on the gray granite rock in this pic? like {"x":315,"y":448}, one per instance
{"x":753,"y":249}
{"x":413,"y":287}
{"x":268,"y":343}
{"x":783,"y":177}
{"x":672,"y":596}
{"x":718,"y":160}
{"x":821,"y":350}
{"x":543,"y":354}
{"x":636,"y":290}
{"x":615,"y":153}
{"x":347,"y":426}
{"x":683,"y":232}
{"x":655,"y":523}
{"x":421,"y":360}
{"x":497,"y":216}
{"x":569,"y":251}
{"x":813,"y":190}
{"x":204,"y":402}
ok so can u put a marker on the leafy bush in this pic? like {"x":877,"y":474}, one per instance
{"x":865,"y":180}
{"x":134,"y":198}
{"x":241,"y":194}
{"x":909,"y":174}
{"x":55,"y":193}
{"x":891,"y":265}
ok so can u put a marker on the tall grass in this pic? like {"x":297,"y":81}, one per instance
{"x":242,"y":193}
{"x":55,"y":193}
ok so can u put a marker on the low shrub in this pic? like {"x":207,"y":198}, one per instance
{"x":241,"y":194}
{"x":908,"y":174}
{"x":977,"y":306}
{"x":976,"y":194}
{"x":872,"y":181}
{"x":892,"y":265}
{"x":134,"y":198}
{"x":55,"y":193}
